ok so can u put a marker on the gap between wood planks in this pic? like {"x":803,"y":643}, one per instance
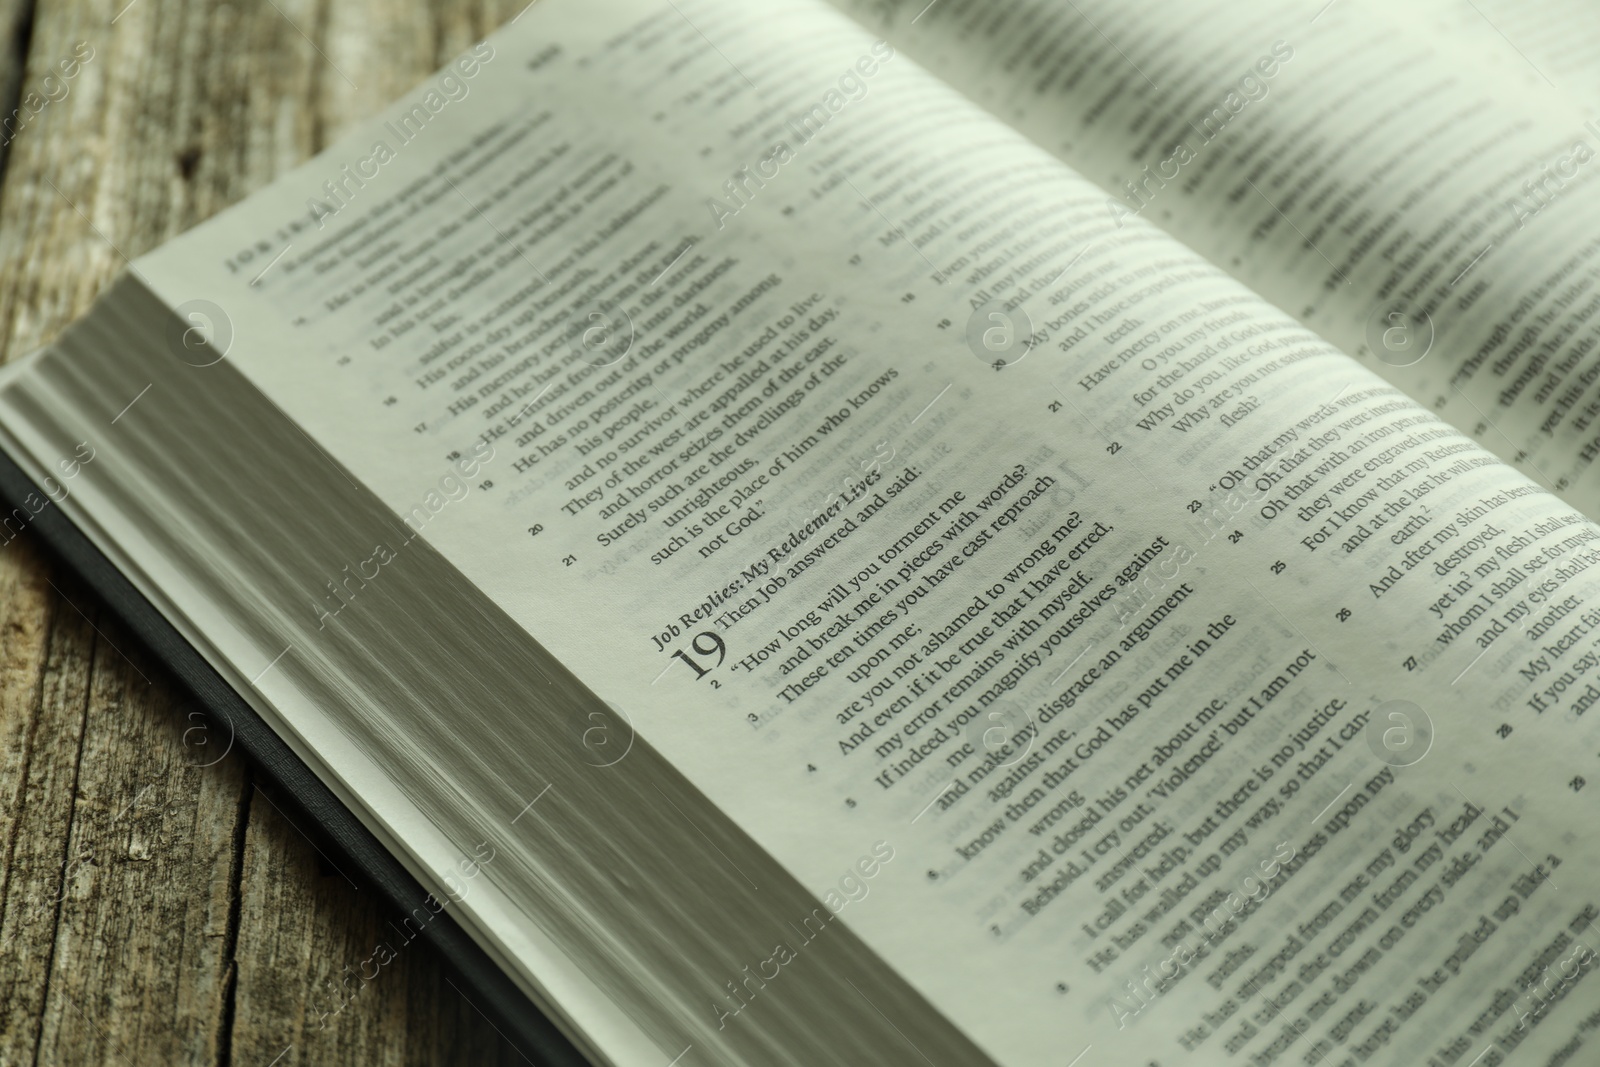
{"x":17,"y":37}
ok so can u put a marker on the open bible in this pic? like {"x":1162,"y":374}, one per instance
{"x":1045,"y":533}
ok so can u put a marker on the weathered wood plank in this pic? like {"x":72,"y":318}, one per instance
{"x":43,"y":689}
{"x":152,"y":910}
{"x":324,"y":975}
{"x":141,"y":941}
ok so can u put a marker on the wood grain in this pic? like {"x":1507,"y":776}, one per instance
{"x":156,"y":906}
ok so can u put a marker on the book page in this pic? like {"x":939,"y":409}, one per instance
{"x":1408,"y":180}
{"x":1555,"y":41}
{"x":1143,"y":678}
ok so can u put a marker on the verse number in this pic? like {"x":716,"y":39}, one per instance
{"x":1279,"y":567}
{"x":1577,"y":783}
{"x":706,"y":643}
{"x":1504,"y":731}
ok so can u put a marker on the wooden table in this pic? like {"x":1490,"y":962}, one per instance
{"x":154,"y":910}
